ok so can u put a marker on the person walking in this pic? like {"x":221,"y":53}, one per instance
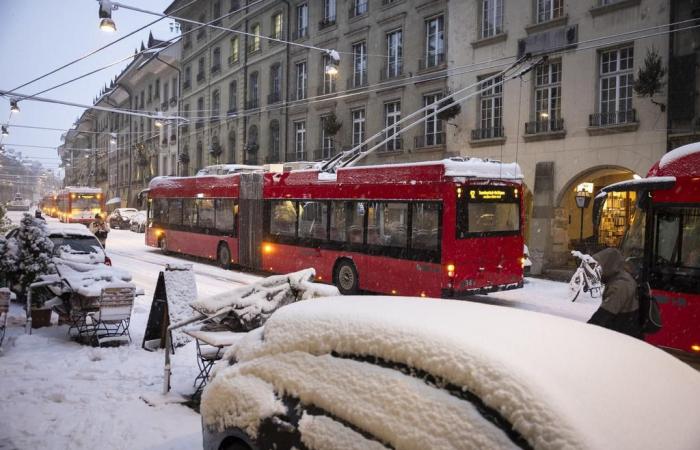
{"x":619,"y":310}
{"x":100,"y":229}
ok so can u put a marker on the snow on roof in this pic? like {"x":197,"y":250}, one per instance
{"x":463,"y":167}
{"x":559,"y":382}
{"x":65,"y":229}
{"x":181,"y":287}
{"x":82,"y":190}
{"x":638,"y":183}
{"x":679,"y":153}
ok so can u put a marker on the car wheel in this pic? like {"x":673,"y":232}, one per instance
{"x":345,"y":277}
{"x":224,"y":256}
{"x":233,"y":445}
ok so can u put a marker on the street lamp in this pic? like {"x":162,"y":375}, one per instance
{"x":14,"y":106}
{"x":583,"y":198}
{"x":5,"y":131}
{"x":105,"y":14}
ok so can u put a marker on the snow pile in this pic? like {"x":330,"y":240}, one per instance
{"x":526,"y":366}
{"x":181,"y":288}
{"x":67,"y":253}
{"x":250,"y":306}
{"x":679,"y":153}
{"x":88,"y":280}
{"x":631,"y":185}
{"x":67,"y":229}
{"x":239,"y":401}
{"x":324,"y":433}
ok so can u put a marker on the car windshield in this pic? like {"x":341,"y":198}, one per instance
{"x":80,"y":245}
{"x":128,"y":212}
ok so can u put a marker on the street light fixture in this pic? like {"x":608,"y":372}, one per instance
{"x":106,"y":22}
{"x":5,"y":131}
{"x":14,"y":105}
{"x":583,"y":198}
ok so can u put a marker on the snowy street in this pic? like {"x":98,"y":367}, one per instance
{"x":60,"y":394}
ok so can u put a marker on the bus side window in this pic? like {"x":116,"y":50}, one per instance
{"x":205,"y":213}
{"x":313,"y":219}
{"x":225,"y":216}
{"x":189,"y":212}
{"x":283,"y":218}
{"x":347,"y":221}
{"x":175,"y":211}
{"x":425,"y":225}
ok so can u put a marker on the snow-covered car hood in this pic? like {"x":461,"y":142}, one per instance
{"x":560,"y":383}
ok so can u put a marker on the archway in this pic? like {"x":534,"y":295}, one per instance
{"x":574,"y":224}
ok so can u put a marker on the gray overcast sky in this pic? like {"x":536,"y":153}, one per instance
{"x":37,"y":36}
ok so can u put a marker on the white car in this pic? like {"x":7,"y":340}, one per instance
{"x":137,"y":223}
{"x":412,"y":373}
{"x":73,"y":242}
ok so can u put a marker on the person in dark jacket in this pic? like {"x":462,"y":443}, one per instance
{"x":619,"y":309}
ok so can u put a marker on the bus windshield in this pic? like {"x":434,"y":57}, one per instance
{"x":677,"y":238}
{"x":632,"y":246}
{"x":487,"y":210}
{"x":85,"y":201}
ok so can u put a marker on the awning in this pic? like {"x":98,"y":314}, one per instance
{"x":112,"y":201}
{"x":642,"y":184}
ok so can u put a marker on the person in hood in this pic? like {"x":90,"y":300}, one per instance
{"x":100,"y":229}
{"x":619,"y":309}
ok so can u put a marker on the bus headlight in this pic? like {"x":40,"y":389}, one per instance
{"x":450,"y":270}
{"x":267,"y":248}
{"x":695,"y":347}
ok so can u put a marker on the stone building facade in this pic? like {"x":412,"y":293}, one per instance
{"x":573,"y":123}
{"x":254,"y":100}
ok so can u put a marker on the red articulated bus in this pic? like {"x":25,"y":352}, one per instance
{"x":79,"y":204}
{"x":48,"y":204}
{"x":441,"y":228}
{"x":663,"y":242}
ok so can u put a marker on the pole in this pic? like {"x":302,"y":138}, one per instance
{"x":580,"y":238}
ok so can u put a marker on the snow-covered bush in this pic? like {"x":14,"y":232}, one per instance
{"x":5,"y":222}
{"x":8,"y":260}
{"x":35,"y":251}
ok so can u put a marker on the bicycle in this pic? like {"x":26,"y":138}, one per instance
{"x":587,"y":277}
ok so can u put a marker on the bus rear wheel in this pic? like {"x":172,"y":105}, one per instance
{"x":223,"y":256}
{"x":346,"y":279}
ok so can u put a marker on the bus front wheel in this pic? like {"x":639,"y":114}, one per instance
{"x":346,"y":277}
{"x":224,"y":256}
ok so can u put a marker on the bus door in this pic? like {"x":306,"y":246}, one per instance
{"x":250,"y":220}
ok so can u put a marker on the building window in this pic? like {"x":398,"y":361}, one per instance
{"x":547,"y":99}
{"x":433,"y":134}
{"x":252,"y":147}
{"x":201,"y":32}
{"x":277,"y":26}
{"x":490,"y":109}
{"x":256,"y":38}
{"x":434,"y":41}
{"x":549,"y":10}
{"x":394,"y":45}
{"x":200,"y":112}
{"x":232,"y":97}
{"x":301,"y":76}
{"x":328,"y":76}
{"x":274,"y":155}
{"x":302,"y":21}
{"x":216,"y":60}
{"x":358,"y":127}
{"x":233,"y":56}
{"x":491,"y":18}
{"x":188,"y":78}
{"x":216,"y":12}
{"x":328,"y":12}
{"x":275,"y":84}
{"x":200,"y":70}
{"x":150,"y":93}
{"x":327,"y":141}
{"x":392,"y":114}
{"x":359,"y":64}
{"x":157,"y":89}
{"x":616,"y":81}
{"x":300,"y":140}
{"x":166,"y":89}
{"x":232,"y":147}
{"x":253,"y":89}
{"x":215,"y":103}
{"x":200,"y":156}
{"x":359,"y":7}
{"x":234,"y":5}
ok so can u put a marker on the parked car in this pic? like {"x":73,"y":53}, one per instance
{"x":410,"y":373}
{"x":73,"y":242}
{"x":121,"y":217}
{"x":527,"y":263}
{"x":138,"y":222}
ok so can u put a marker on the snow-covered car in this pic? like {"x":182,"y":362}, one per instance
{"x":73,"y":242}
{"x":121,"y":217}
{"x":410,"y":373}
{"x":137,"y":223}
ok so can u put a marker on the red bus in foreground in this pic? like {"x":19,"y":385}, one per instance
{"x":441,"y":228}
{"x":79,"y":204}
{"x":664,"y":242}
